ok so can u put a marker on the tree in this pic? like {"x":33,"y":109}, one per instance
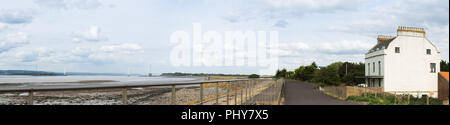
{"x":328,"y":75}
{"x":253,"y":76}
{"x":281,"y":73}
{"x":444,"y":66}
{"x":349,"y":71}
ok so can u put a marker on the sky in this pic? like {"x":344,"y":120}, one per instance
{"x":120,"y":36}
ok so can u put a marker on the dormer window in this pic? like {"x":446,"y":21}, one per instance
{"x":428,"y":51}
{"x":397,"y":49}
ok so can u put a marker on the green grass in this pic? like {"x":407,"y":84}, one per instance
{"x":392,"y":100}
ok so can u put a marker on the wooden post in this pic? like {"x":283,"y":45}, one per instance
{"x":228,"y":93}
{"x":217,"y":93}
{"x":124,"y":96}
{"x":235,"y":93}
{"x":173,"y":95}
{"x":246,"y":90}
{"x":428,"y":100}
{"x":409,"y":96}
{"x":395,"y":99}
{"x":242,"y":94}
{"x":365,"y":92}
{"x":201,"y":93}
{"x":30,"y":98}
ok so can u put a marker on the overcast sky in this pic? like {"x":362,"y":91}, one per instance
{"x":117,"y":35}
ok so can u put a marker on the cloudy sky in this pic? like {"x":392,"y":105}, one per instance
{"x":117,"y":35}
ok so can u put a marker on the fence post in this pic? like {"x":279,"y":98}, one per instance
{"x":217,"y":93}
{"x":235,"y":92}
{"x":201,"y":93}
{"x":395,"y":99}
{"x":242,"y":93}
{"x":173,"y":94}
{"x":30,"y":98}
{"x":428,"y":100}
{"x":409,"y":96}
{"x":376,"y":91}
{"x":228,"y":93}
{"x":251,"y":90}
{"x":124,"y":96}
{"x":246,"y":90}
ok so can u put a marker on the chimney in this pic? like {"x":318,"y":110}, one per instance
{"x":410,"y":31}
{"x":382,"y":38}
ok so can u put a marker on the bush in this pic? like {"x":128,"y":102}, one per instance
{"x":253,"y":76}
{"x":392,"y":100}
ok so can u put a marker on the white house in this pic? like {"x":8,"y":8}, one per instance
{"x":404,"y":64}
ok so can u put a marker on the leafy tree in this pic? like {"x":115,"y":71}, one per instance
{"x":444,"y":66}
{"x":328,"y":75}
{"x":253,"y":76}
{"x":349,"y":71}
{"x":281,"y":73}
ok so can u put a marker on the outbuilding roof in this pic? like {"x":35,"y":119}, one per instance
{"x":444,"y":74}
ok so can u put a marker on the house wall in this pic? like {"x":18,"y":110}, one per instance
{"x":409,"y":70}
{"x":375,"y":58}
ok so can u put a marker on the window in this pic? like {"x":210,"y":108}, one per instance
{"x":397,"y":49}
{"x":373,"y":66}
{"x":379,"y":68}
{"x":433,"y":67}
{"x":428,"y":51}
{"x":368,"y":67}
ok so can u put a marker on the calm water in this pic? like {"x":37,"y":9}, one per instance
{"x":30,"y":81}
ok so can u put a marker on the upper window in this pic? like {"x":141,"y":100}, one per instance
{"x":397,"y":49}
{"x":433,"y":67}
{"x":373,"y":66}
{"x":428,"y":51}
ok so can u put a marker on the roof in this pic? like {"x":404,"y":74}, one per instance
{"x":383,"y":43}
{"x":445,"y":74}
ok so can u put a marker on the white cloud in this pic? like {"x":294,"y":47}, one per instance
{"x":38,"y":54}
{"x":386,"y":17}
{"x":281,"y":24}
{"x":13,"y":40}
{"x":345,"y":47}
{"x":315,"y":5}
{"x":93,"y":34}
{"x":335,"y":48}
{"x":69,"y":4}
{"x":2,"y":26}
{"x":121,"y":48}
{"x":16,"y":16}
{"x":232,"y":17}
{"x":19,"y":37}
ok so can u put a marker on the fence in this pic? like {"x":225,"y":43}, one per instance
{"x":343,"y":92}
{"x":217,"y":92}
{"x":346,"y":91}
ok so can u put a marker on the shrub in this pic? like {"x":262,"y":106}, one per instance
{"x":254,"y":76}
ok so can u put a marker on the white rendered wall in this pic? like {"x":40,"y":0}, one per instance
{"x":409,"y":70}
{"x":375,"y":57}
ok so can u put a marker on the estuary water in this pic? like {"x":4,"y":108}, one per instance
{"x":10,"y":81}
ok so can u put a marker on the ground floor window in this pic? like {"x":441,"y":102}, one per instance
{"x":433,"y":67}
